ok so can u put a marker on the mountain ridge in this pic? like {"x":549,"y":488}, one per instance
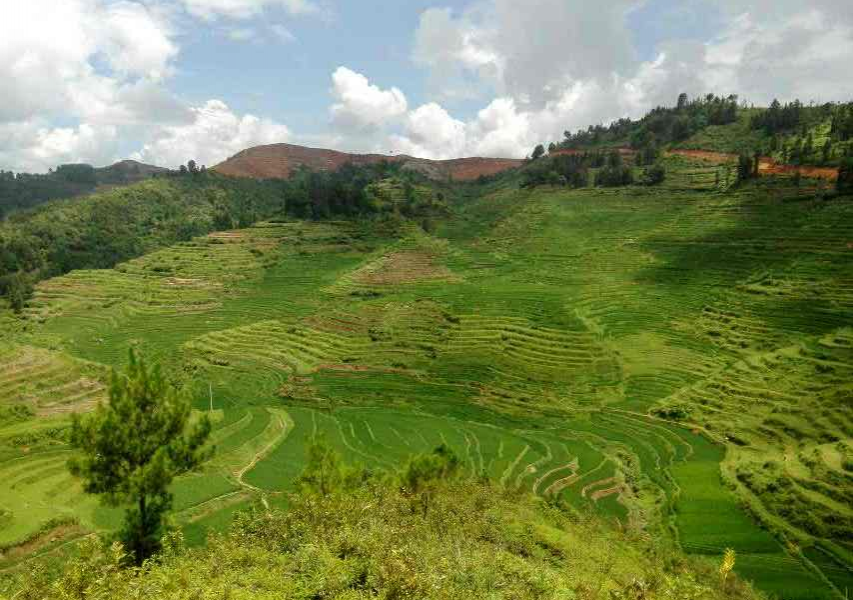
{"x":277,"y":161}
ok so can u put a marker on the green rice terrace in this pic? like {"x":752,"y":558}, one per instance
{"x":677,"y":359}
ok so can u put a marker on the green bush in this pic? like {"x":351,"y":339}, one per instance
{"x":477,"y":541}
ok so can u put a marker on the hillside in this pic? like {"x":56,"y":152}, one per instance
{"x":471,"y":541}
{"x":676,"y":358}
{"x":21,"y":191}
{"x":128,"y":171}
{"x":280,"y":160}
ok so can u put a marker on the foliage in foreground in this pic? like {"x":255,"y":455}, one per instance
{"x":134,"y":446}
{"x":349,"y":537}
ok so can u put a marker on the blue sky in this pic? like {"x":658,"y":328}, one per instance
{"x":164,"y":81}
{"x":291,"y":80}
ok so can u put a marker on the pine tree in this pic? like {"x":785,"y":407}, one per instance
{"x":538,"y":152}
{"x":845,"y":176}
{"x":744,"y":167}
{"x":132,"y":448}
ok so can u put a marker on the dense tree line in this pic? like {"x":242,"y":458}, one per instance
{"x":574,"y":169}
{"x":841,"y":127}
{"x":791,"y":128}
{"x":661,"y":125}
{"x":26,"y":190}
{"x":101,"y":230}
{"x":21,"y":191}
{"x":778,"y":118}
{"x":796,"y":117}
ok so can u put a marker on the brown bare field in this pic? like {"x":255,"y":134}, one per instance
{"x":402,"y":267}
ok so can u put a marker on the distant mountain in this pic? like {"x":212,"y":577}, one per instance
{"x":277,"y":161}
{"x":20,"y":191}
{"x":127,"y":171}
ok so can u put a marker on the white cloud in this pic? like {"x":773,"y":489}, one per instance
{"x":805,"y":54}
{"x":244,"y":9}
{"x":527,"y":50}
{"x":361,"y":107}
{"x":34,"y":146}
{"x":214,"y":134}
{"x":430,"y":132}
{"x":91,"y":65}
{"x":552,"y":65}
{"x":134,"y":39}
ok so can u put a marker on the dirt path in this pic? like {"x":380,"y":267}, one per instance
{"x":284,"y":427}
{"x":62,"y":535}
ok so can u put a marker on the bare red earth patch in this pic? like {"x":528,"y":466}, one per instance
{"x":278,"y":161}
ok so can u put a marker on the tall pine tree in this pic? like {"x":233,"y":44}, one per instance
{"x":132,"y":448}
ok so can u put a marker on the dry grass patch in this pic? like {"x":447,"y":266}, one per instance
{"x":408,"y":266}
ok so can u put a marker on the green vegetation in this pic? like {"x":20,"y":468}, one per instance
{"x":793,"y":133}
{"x":372,"y":537}
{"x":20,"y":191}
{"x":100,"y":231}
{"x":132,"y":449}
{"x":674,"y":360}
{"x":662,"y":125}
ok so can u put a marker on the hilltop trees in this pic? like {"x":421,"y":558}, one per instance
{"x":661,"y":125}
{"x":538,"y":152}
{"x":778,"y":118}
{"x":134,"y":446}
{"x":562,"y":169}
{"x":26,"y":190}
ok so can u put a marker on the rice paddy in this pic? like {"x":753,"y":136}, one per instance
{"x":679,"y":359}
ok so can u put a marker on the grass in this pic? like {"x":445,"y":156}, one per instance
{"x":540,"y":333}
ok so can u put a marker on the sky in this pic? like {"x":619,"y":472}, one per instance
{"x":166,"y":81}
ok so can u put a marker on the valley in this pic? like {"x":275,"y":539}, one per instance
{"x":677,"y":359}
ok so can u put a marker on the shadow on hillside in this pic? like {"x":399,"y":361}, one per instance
{"x":784,"y":246}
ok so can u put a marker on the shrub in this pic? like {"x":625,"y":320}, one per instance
{"x":614,"y":176}
{"x":654,"y":175}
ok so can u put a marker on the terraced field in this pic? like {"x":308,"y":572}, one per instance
{"x":677,"y":358}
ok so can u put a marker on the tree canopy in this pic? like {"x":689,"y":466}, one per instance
{"x":132,"y":448}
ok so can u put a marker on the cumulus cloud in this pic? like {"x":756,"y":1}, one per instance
{"x":430,"y":132}
{"x":134,"y":40}
{"x":551,"y":65}
{"x":528,"y":50}
{"x":49,"y":50}
{"x":244,"y":9}
{"x":804,"y":54}
{"x":100,"y":68}
{"x":92,"y":65}
{"x":34,"y":145}
{"x":361,"y":107}
{"x":214,"y":134}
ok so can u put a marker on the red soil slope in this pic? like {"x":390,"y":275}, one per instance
{"x":279,"y":160}
{"x":766,"y":165}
